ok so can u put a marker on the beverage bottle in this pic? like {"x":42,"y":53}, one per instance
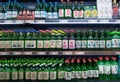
{"x":84,"y":69}
{"x":115,"y":9}
{"x":90,"y":70}
{"x":9,"y":10}
{"x":102,"y":40}
{"x":115,"y":40}
{"x":68,"y":10}
{"x":37,"y":10}
{"x":90,"y":40}
{"x":67,"y":70}
{"x":96,"y":40}
{"x":101,"y":69}
{"x":59,"y":41}
{"x":2,"y":10}
{"x":61,"y":71}
{"x":114,"y":68}
{"x":108,"y":41}
{"x":20,"y":40}
{"x":33,"y":40}
{"x":50,"y":11}
{"x":84,"y":41}
{"x":94,"y":13}
{"x":65,"y":41}
{"x":47,"y":40}
{"x":2,"y":70}
{"x":53,"y":41}
{"x":62,"y":9}
{"x":95,"y":69}
{"x":107,"y":69}
{"x":78,"y":40}
{"x":33,"y":69}
{"x":87,"y":13}
{"x":72,"y":40}
{"x":55,"y":11}
{"x":119,"y":9}
{"x":81,"y":10}
{"x":43,"y":11}
{"x":78,"y":69}
{"x":119,"y":38}
{"x":76,"y":11}
{"x":73,"y":71}
{"x":14,"y":10}
{"x":7,"y":70}
{"x":20,"y":69}
{"x":2,"y":40}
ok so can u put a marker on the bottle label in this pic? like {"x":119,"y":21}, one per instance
{"x":115,"y":43}
{"x":90,"y":73}
{"x":9,"y":14}
{"x":52,"y":43}
{"x":37,"y":14}
{"x":81,"y":14}
{"x":27,"y":44}
{"x":46,"y":75}
{"x":102,"y":43}
{"x":90,"y":43}
{"x":58,"y":43}
{"x":84,"y":44}
{"x":14,"y":44}
{"x":7,"y":75}
{"x":53,"y":75}
{"x":2,"y":75}
{"x":96,"y":43}
{"x":33,"y":75}
{"x":40,"y":75}
{"x":68,"y":13}
{"x":60,"y":74}
{"x":40,"y":44}
{"x":1,"y":15}
{"x":114,"y":69}
{"x":27,"y":75}
{"x":67,"y":75}
{"x":49,"y":15}
{"x":14,"y":75}
{"x":61,"y":13}
{"x":43,"y":14}
{"x":96,"y":73}
{"x":108,"y":44}
{"x":101,"y":70}
{"x":7,"y":44}
{"x":78,"y":44}
{"x":46,"y":44}
{"x":33,"y":44}
{"x":20,"y":44}
{"x":65,"y":44}
{"x":78,"y":74}
{"x":75,"y":14}
{"x":73,"y":74}
{"x":84,"y":74}
{"x":14,"y":14}
{"x":2,"y":44}
{"x":107,"y":69}
{"x":21,"y":75}
{"x":55,"y":15}
{"x":71,"y":44}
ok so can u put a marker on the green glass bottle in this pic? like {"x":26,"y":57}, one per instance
{"x":95,"y":69}
{"x":96,"y":41}
{"x":50,"y":11}
{"x":2,"y":41}
{"x":20,"y":69}
{"x":68,"y":10}
{"x":62,"y":10}
{"x":78,"y":40}
{"x":7,"y":70}
{"x":102,"y":40}
{"x":47,"y":40}
{"x":108,"y":41}
{"x":33,"y":71}
{"x":59,"y":41}
{"x":73,"y":71}
{"x":81,"y":10}
{"x":90,"y":40}
{"x":72,"y":40}
{"x":14,"y":10}
{"x":75,"y":11}
{"x":27,"y":70}
{"x":78,"y":69}
{"x":37,"y":10}
{"x":90,"y":69}
{"x":53,"y":41}
{"x":20,"y":40}
{"x":84,"y":69}
{"x":55,"y":11}
{"x":61,"y":71}
{"x":2,"y":71}
{"x":84,"y":41}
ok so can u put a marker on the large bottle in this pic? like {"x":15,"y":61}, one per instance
{"x":75,"y":11}
{"x":95,"y":69}
{"x":53,"y":41}
{"x":61,"y":70}
{"x":2,"y":40}
{"x":73,"y":72}
{"x":47,"y":40}
{"x":7,"y":70}
{"x":62,"y":9}
{"x":20,"y":69}
{"x":68,"y":10}
{"x":20,"y":40}
{"x":59,"y":41}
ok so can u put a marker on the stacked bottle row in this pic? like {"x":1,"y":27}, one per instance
{"x":55,"y":68}
{"x":55,"y":10}
{"x":59,"y":40}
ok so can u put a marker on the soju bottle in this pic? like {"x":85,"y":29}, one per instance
{"x":78,"y":69}
{"x":47,"y":40}
{"x":94,"y":13}
{"x":75,"y":11}
{"x":87,"y":13}
{"x":102,"y":40}
{"x":27,"y":70}
{"x":40,"y":70}
{"x":27,"y":40}
{"x":62,"y":10}
{"x":108,"y":41}
{"x":2,"y":11}
{"x":21,"y":69}
{"x":61,"y":71}
{"x":96,"y":41}
{"x":53,"y":41}
{"x":78,"y":40}
{"x":33,"y":73}
{"x":2,"y":70}
{"x":90,"y":41}
{"x":9,"y":10}
{"x":33,"y":40}
{"x":107,"y":69}
{"x":50,"y":11}
{"x":95,"y":69}
{"x":37,"y":10}
{"x":84,"y":69}
{"x":73,"y":72}
{"x":114,"y":68}
{"x":59,"y":41}
{"x":20,"y":40}
{"x":14,"y":10}
{"x":68,"y":10}
{"x":55,"y":11}
{"x":81,"y":10}
{"x":2,"y":40}
{"x":84,"y":41}
{"x":65,"y":41}
{"x":72,"y":40}
{"x":90,"y":69}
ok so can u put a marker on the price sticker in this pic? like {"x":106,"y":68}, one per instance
{"x":79,"y":53}
{"x":40,"y":53}
{"x":67,"y":53}
{"x":29,"y":21}
{"x":4,"y":53}
{"x":40,"y":21}
{"x":17,"y":53}
{"x":27,"y":53}
{"x":54,"y":53}
{"x":104,"y":21}
{"x":63,"y":21}
{"x":92,"y":21}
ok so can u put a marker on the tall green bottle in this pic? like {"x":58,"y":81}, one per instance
{"x":68,"y":10}
{"x":78,"y":69}
{"x":78,"y":40}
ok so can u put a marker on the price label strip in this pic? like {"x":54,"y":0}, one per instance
{"x":63,"y":21}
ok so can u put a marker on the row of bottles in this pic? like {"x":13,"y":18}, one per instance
{"x":59,"y":40}
{"x":59,"y":68}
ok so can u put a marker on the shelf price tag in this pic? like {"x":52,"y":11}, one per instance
{"x":117,"y":21}
{"x":17,"y":53}
{"x":67,"y":53}
{"x":79,"y":53}
{"x":92,"y":21}
{"x":39,"y":21}
{"x":4,"y":53}
{"x":27,"y":53}
{"x":117,"y":53}
{"x":104,"y":21}
{"x":29,"y":21}
{"x":53,"y":53}
{"x":63,"y":21}
{"x":40,"y":53}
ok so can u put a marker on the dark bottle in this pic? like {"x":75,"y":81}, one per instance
{"x":72,"y":40}
{"x":78,"y":40}
{"x":62,"y":10}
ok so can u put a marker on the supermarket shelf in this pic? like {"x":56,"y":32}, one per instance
{"x":60,"y":53}
{"x":11,"y":22}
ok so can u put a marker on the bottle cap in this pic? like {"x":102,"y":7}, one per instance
{"x":89,"y":60}
{"x":100,"y":58}
{"x":78,"y":60}
{"x":106,"y":58}
{"x":67,"y":61}
{"x":84,"y":60}
{"x":114,"y":58}
{"x":95,"y":60}
{"x":73,"y":60}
